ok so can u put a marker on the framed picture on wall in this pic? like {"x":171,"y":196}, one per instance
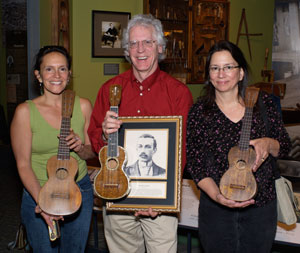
{"x":107,"y":31}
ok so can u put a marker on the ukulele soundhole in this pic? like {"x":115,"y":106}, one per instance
{"x":112,"y":163}
{"x":241,"y":164}
{"x":61,"y":173}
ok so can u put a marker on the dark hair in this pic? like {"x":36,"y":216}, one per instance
{"x":238,"y":56}
{"x":50,"y":49}
{"x":150,"y":136}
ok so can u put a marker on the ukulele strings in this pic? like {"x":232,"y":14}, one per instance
{"x":113,"y":150}
{"x":63,"y":154}
{"x":245,"y":134}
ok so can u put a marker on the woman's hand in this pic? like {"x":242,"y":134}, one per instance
{"x":47,"y":217}
{"x":263,"y":147}
{"x":209,"y":186}
{"x":231,"y":203}
{"x":84,"y":151}
{"x":74,"y":142}
{"x":110,"y":124}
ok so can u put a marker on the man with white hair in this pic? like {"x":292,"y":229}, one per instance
{"x":146,"y":91}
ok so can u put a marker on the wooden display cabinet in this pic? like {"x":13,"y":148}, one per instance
{"x":191,"y":28}
{"x":174,"y":15}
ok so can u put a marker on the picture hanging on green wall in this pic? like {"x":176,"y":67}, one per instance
{"x":107,"y":30}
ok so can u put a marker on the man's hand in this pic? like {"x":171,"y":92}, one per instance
{"x":110,"y":124}
{"x":148,"y":212}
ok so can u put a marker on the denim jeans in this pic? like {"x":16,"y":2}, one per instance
{"x":74,"y":228}
{"x":236,"y":230}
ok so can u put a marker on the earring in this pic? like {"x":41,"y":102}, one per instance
{"x":41,"y":88}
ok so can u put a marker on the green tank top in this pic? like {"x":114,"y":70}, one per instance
{"x":45,"y":141}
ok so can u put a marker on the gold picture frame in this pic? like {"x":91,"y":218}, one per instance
{"x":161,"y":192}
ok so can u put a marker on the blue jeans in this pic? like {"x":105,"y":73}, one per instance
{"x":226,"y":230}
{"x":74,"y":229}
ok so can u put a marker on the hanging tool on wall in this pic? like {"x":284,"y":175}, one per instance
{"x":60,"y":23}
{"x":247,"y":34}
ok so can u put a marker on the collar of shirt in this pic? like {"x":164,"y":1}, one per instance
{"x":146,"y":171}
{"x":147,"y":83}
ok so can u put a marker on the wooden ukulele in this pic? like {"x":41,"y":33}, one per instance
{"x":60,"y":195}
{"x":238,"y":182}
{"x":111,"y":182}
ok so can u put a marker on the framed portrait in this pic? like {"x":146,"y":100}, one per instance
{"x":107,"y":32}
{"x":153,"y":150}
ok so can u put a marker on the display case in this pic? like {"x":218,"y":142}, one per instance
{"x":191,"y":28}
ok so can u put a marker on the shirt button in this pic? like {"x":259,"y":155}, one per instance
{"x":138,"y":111}
{"x":141,"y":87}
{"x":141,"y":94}
{"x":148,"y":89}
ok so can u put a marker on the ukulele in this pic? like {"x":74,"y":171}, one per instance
{"x":60,"y":195}
{"x":111,"y":182}
{"x":238,"y":182}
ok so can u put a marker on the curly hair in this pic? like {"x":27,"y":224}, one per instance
{"x":146,"y":20}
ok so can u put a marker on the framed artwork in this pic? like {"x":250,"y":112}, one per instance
{"x":153,"y":146}
{"x":107,"y":31}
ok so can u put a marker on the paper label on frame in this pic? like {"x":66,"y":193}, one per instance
{"x":154,"y":190}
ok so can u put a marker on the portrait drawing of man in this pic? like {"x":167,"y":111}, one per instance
{"x":145,"y":166}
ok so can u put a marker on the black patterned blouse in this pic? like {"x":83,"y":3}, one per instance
{"x":210,"y":136}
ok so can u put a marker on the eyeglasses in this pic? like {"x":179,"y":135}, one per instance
{"x":226,"y":69}
{"x":146,"y":43}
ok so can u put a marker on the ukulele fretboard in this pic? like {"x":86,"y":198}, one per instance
{"x":246,"y":129}
{"x":112,"y":147}
{"x":63,"y":148}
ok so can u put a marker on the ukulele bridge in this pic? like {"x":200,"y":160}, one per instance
{"x":60,"y":196}
{"x":237,"y":186}
{"x":111,"y":185}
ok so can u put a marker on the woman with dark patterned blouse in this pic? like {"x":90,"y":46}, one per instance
{"x":213,"y":128}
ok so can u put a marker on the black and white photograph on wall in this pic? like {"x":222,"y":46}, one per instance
{"x":111,"y":35}
{"x":286,"y":66}
{"x":107,"y":31}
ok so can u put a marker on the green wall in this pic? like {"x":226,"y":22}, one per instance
{"x":45,"y":22}
{"x":259,"y":16}
{"x":88,"y":72}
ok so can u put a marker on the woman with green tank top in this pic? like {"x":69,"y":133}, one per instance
{"x":35,"y":133}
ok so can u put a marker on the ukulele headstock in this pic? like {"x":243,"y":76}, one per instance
{"x":115,"y":91}
{"x":68,"y":99}
{"x":251,"y":96}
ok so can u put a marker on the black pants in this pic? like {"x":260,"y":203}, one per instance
{"x":240,"y":230}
